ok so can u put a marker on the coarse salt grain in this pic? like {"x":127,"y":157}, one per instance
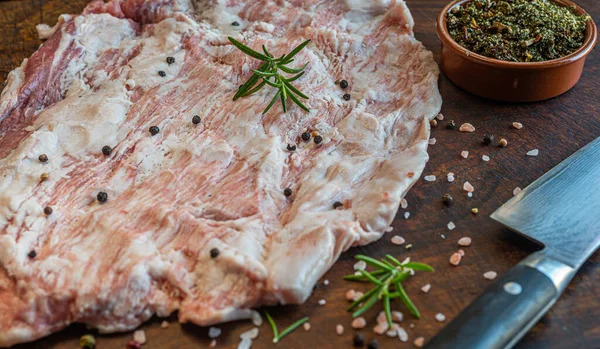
{"x":398,"y":240}
{"x":381,"y":317}
{"x":419,"y":342}
{"x":389,"y":229}
{"x":516,"y":191}
{"x":213,"y":343}
{"x":403,"y":203}
{"x":406,"y":215}
{"x":455,"y":259}
{"x":257,"y":320}
{"x":533,"y":152}
{"x":214,"y":332}
{"x":411,"y":325}
{"x":325,"y":282}
{"x":246,"y":343}
{"x":485,"y":158}
{"x":350,"y":295}
{"x":464,"y":241}
{"x":359,"y":323}
{"x":339,"y":329}
{"x":426,"y":288}
{"x":250,"y":334}
{"x":360,"y":265}
{"x":393,"y":332}
{"x":443,"y":236}
{"x":430,"y":178}
{"x":402,"y":334}
{"x":440,"y":116}
{"x":450,"y":177}
{"x":139,"y":336}
{"x":306,"y":326}
{"x":517,"y":125}
{"x":432,"y":141}
{"x":322,"y":302}
{"x":470,"y":194}
{"x":440,"y":317}
{"x":451,"y":226}
{"x":461,"y":252}
{"x":397,"y":316}
{"x":464,"y":154}
{"x":408,"y":247}
{"x":466,"y":127}
{"x":490,"y":275}
{"x":164,"y":324}
{"x":381,"y":328}
{"x":468,"y":187}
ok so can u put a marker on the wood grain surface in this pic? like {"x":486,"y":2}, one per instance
{"x":557,"y":127}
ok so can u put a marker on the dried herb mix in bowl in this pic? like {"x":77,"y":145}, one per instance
{"x":517,"y":30}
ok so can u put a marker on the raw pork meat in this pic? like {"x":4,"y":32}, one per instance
{"x":177,"y":198}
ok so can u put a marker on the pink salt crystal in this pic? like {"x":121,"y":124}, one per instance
{"x":403,"y":203}
{"x":432,"y":141}
{"x":398,"y":240}
{"x":461,"y":252}
{"x":359,"y":323}
{"x":350,"y":295}
{"x":358,"y":295}
{"x":440,"y":116}
{"x":464,"y":154}
{"x":468,"y":187}
{"x":419,"y":342}
{"x":517,"y":125}
{"x":516,"y":191}
{"x":381,"y":317}
{"x":455,"y":259}
{"x":464,"y":241}
{"x":397,"y":316}
{"x":139,"y":336}
{"x":213,"y":343}
{"x":381,"y":328}
{"x":466,"y":127}
{"x":426,"y":288}
{"x":402,"y":334}
{"x":306,"y":326}
{"x":490,"y":275}
{"x":339,"y":329}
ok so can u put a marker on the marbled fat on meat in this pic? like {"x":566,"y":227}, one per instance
{"x":175,"y":196}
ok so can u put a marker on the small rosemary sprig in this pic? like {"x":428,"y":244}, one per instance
{"x":271,"y":69}
{"x":389,"y":273}
{"x":278,"y":336}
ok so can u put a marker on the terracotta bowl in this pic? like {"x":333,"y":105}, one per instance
{"x":512,"y":81}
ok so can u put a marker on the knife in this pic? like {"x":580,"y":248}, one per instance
{"x":560,"y":210}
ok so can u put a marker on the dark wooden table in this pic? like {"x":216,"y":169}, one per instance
{"x":557,"y":127}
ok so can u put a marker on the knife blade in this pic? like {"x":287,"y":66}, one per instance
{"x":560,"y":210}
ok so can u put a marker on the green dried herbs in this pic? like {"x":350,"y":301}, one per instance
{"x":517,"y":30}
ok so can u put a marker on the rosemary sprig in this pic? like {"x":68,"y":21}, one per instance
{"x":387,"y":277}
{"x":268,"y":73}
{"x":278,"y":336}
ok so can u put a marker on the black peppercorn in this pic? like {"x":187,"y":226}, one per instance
{"x":43,"y":158}
{"x":196,"y":119}
{"x":154,"y":130}
{"x":337,"y":205}
{"x":291,"y":147}
{"x":102,"y":197}
{"x":48,"y":210}
{"x":373,"y":344}
{"x":214,"y":253}
{"x":358,"y":340}
{"x":287,"y":192}
{"x":162,"y":74}
{"x":451,"y":125}
{"x":488,"y":139}
{"x":235,"y":24}
{"x":32,"y":254}
{"x":306,"y":136}
{"x":447,"y":200}
{"x":347,"y":96}
{"x":318,"y":139}
{"x":170,"y":60}
{"x":343,"y":84}
{"x":106,"y":150}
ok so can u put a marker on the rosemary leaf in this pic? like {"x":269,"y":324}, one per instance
{"x":370,"y":277}
{"x":361,"y":277}
{"x":368,"y":304}
{"x":255,"y":89}
{"x":283,"y":98}
{"x":271,"y":83}
{"x":266,"y":52}
{"x":251,"y":82}
{"x":292,"y":327}
{"x":409,"y":304}
{"x":265,"y":74}
{"x":272,"y":102}
{"x":294,"y":52}
{"x":291,"y":70}
{"x":373,"y":262}
{"x":295,"y":77}
{"x":296,"y":100}
{"x":273,"y":326}
{"x":247,"y":50}
{"x":388,"y":310}
{"x":418,"y":266}
{"x":393,"y":259}
{"x":293,"y":89}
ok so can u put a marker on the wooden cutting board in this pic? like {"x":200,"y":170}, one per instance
{"x":557,"y":128}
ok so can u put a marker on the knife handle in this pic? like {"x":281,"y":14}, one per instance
{"x":508,"y":308}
